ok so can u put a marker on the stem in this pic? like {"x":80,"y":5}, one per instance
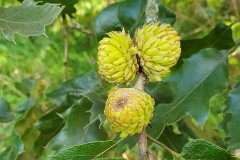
{"x":175,"y":154}
{"x":151,"y":17}
{"x":141,"y":81}
{"x":6,"y":81}
{"x":151,"y":11}
{"x":142,"y":136}
{"x":142,"y":145}
{"x":78,"y":27}
{"x":65,"y":57}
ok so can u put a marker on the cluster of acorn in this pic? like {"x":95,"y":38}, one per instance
{"x":154,"y":50}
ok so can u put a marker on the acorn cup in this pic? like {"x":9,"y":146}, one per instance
{"x":158,"y":49}
{"x":128,"y":110}
{"x":117,"y":59}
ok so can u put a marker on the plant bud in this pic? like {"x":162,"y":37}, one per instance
{"x":117,"y":59}
{"x":128,"y":110}
{"x":158,"y":49}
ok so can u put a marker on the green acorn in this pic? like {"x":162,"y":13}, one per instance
{"x":158,"y":49}
{"x":117,"y":59}
{"x":128,"y":110}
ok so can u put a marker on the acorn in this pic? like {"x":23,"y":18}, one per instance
{"x":128,"y":110}
{"x":117,"y":59}
{"x":158,"y":49}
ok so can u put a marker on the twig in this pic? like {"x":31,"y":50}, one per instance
{"x":151,"y":11}
{"x":78,"y":27}
{"x":141,"y":81}
{"x":83,"y":30}
{"x":142,"y":145}
{"x":65,"y":36}
{"x":142,"y":136}
{"x":6,"y":81}
{"x":233,"y":51}
{"x":175,"y":154}
{"x":144,"y":154}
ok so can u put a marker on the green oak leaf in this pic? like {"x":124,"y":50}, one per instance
{"x":172,"y":140}
{"x":98,"y":97}
{"x":204,"y":150}
{"x":160,"y":91}
{"x":107,"y":21}
{"x":77,"y":87}
{"x":220,"y":38}
{"x":13,"y":151}
{"x":131,"y":14}
{"x":201,"y":76}
{"x":232,"y":118}
{"x":86,"y":151}
{"x":68,"y":5}
{"x":28,"y":19}
{"x":78,"y":128}
{"x":26,"y":129}
{"x":6,"y":115}
{"x":67,"y":95}
{"x":51,"y":123}
{"x":128,"y":14}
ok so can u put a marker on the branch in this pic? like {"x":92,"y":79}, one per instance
{"x":151,"y":11}
{"x":65,"y":57}
{"x":141,"y":81}
{"x":78,"y":27}
{"x":151,"y":17}
{"x":142,"y":145}
{"x":7,"y":81}
{"x":144,"y":154}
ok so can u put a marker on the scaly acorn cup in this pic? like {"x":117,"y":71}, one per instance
{"x":128,"y":110}
{"x":158,"y":49}
{"x":117,"y":59}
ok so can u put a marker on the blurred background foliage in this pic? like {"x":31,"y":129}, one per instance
{"x":36,"y":63}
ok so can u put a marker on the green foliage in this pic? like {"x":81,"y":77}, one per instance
{"x":129,"y":15}
{"x":6,"y":114}
{"x":13,"y":151}
{"x":202,"y":149}
{"x":85,"y":152}
{"x":205,"y":67}
{"x":212,"y":40}
{"x":29,"y":15}
{"x":44,"y":118}
{"x":77,"y":127}
{"x":173,"y":140}
{"x":232,"y":118}
{"x":68,"y":5}
{"x":28,"y":133}
{"x":106,"y":21}
{"x":81,"y":85}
